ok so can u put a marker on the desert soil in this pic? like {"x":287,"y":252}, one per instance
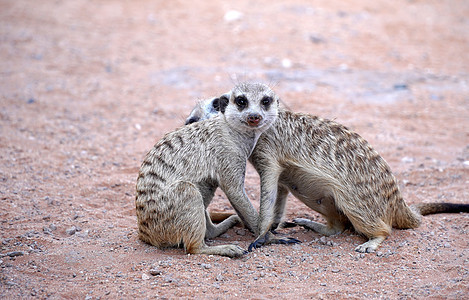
{"x":87,"y":88}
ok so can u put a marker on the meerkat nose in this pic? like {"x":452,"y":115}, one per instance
{"x":254,"y":119}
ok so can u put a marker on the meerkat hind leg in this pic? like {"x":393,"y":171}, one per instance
{"x":218,"y":229}
{"x":376,"y":230}
{"x":191,"y":222}
{"x":326,"y":230}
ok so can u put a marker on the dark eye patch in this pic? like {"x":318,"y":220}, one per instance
{"x":241,"y":102}
{"x":267,"y":101}
{"x":216,"y":104}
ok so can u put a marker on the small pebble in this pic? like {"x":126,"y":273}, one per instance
{"x":401,"y":86}
{"x":316,"y":39}
{"x":232,"y":15}
{"x":240,"y":232}
{"x":155,"y":272}
{"x":407,"y":159}
{"x":323,"y":240}
{"x":287,"y":63}
{"x":15,"y":253}
{"x":219,"y":277}
{"x":436,"y":97}
{"x":71,"y":231}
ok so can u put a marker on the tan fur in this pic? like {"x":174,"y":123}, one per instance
{"x":179,"y":176}
{"x":333,"y":171}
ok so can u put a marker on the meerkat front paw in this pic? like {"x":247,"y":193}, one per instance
{"x":234,"y":251}
{"x":371,"y":245}
{"x":366,"y":248}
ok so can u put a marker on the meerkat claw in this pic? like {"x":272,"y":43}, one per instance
{"x":291,"y":240}
{"x":256,"y":244}
{"x":265,"y":241}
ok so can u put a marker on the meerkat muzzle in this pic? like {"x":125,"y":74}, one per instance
{"x":254,"y":119}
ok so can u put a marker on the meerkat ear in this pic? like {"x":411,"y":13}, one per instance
{"x":223,"y":102}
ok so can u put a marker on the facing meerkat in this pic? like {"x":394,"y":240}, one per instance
{"x":335,"y":172}
{"x":179,"y":176}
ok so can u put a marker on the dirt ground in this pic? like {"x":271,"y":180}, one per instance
{"x":87,"y":88}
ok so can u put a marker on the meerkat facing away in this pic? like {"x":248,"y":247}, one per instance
{"x":335,"y":172}
{"x":179,"y":176}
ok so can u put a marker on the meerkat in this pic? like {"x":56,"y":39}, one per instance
{"x":335,"y":172}
{"x":180,"y":174}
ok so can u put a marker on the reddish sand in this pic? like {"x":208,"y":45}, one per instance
{"x":87,"y":88}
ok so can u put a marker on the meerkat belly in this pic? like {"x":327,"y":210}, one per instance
{"x":313,"y":190}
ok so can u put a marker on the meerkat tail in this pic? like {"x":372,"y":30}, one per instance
{"x":439,"y":208}
{"x":410,"y":216}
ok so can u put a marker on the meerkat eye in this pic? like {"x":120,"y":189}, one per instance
{"x":216,"y":104}
{"x":241,"y":101}
{"x":266,"y":101}
{"x":192,"y":120}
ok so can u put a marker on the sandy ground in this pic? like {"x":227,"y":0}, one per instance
{"x":87,"y":88}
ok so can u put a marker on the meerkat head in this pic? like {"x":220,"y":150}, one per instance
{"x":249,"y":105}
{"x":253,"y":100}
{"x":204,"y":110}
